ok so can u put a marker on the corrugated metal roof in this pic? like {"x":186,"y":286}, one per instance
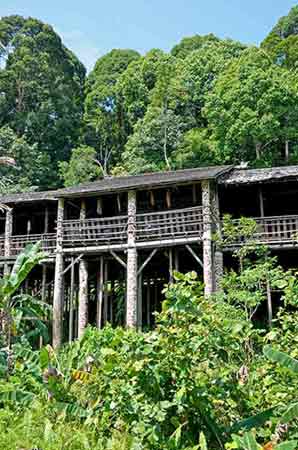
{"x":251,"y":176}
{"x":114,"y":184}
{"x":24,"y":197}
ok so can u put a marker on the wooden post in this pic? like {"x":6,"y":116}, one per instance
{"x":83,"y":297}
{"x":218,"y":253}
{"x":287,"y":152}
{"x":207,"y":237}
{"x":132,"y":263}
{"x":170,"y":265}
{"x":99,"y":290}
{"x":261,"y":200}
{"x":140,"y":303}
{"x":46,"y":220}
{"x":7,"y":237}
{"x":105,"y":293}
{"x":148,"y":302}
{"x":71,"y":300}
{"x":58,"y":283}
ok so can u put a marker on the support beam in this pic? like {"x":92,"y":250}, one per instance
{"x":7,"y":236}
{"x":207,"y":237}
{"x":217,"y":250}
{"x":58,"y":283}
{"x":71,"y":300}
{"x":120,"y":261}
{"x":196,"y":257}
{"x":99,"y":292}
{"x":83,"y":297}
{"x":261,"y":201}
{"x":132,"y":263}
{"x":105,"y":292}
{"x":147,"y":261}
{"x":171,"y":265}
{"x":140,"y":302}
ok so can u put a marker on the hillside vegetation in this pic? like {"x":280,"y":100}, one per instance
{"x":208,"y":101}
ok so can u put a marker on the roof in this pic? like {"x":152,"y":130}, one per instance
{"x":25,"y":197}
{"x":156,"y":179}
{"x":254,"y":176}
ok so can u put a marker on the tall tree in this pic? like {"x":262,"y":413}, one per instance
{"x":41,"y":85}
{"x":32,"y":167}
{"x":189,"y":44}
{"x":106,"y":126}
{"x":252,"y":110}
{"x":135,"y":84}
{"x":282,"y":42}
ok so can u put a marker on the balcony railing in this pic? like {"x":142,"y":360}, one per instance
{"x":174,"y":224}
{"x":180,"y":225}
{"x":275,"y":230}
{"x":18,"y":243}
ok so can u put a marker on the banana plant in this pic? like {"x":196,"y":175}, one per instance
{"x":12,"y":306}
{"x":287,"y":362}
{"x":248,"y":442}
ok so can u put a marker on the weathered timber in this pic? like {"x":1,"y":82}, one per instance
{"x":207,"y":237}
{"x":58,"y":283}
{"x":7,"y":236}
{"x":99,"y":289}
{"x":83,"y":297}
{"x":71,"y":300}
{"x":132,"y":263}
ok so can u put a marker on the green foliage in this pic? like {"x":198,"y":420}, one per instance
{"x":82,"y":166}
{"x":252,"y":109}
{"x":41,"y":83}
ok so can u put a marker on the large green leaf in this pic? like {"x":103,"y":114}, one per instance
{"x":282,"y":358}
{"x":291,"y":413}
{"x":249,"y":442}
{"x":251,"y":422}
{"x":25,"y":262}
{"x":290,"y":445}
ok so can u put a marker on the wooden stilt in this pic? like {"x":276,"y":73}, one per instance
{"x":7,"y":237}
{"x":99,"y":290}
{"x":170,"y":265}
{"x":132,"y":264}
{"x":269,"y":303}
{"x":105,"y":294}
{"x":176,"y":264}
{"x":71,"y":301}
{"x":83,"y":297}
{"x":148,"y":302}
{"x":58,"y":284}
{"x":43,"y":293}
{"x":207,"y":237}
{"x":139,"y":308}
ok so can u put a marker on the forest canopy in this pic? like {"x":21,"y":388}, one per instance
{"x":208,"y":101}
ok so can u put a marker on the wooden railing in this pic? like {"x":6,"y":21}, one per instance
{"x":173,"y":224}
{"x":163,"y":225}
{"x":92,"y":232}
{"x":18,"y":243}
{"x":275,"y":230}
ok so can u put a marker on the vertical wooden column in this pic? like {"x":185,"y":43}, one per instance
{"x":71,"y":299}
{"x":99,"y":292}
{"x":218,"y":253}
{"x":83,"y":297}
{"x":83,"y":285}
{"x":208,"y":270}
{"x":132,"y":263}
{"x":58,"y":283}
{"x":7,"y":237}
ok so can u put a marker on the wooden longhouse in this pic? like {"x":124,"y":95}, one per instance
{"x":111,"y":245}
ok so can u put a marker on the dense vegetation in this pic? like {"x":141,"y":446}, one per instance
{"x":212,"y":374}
{"x":208,"y":101}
